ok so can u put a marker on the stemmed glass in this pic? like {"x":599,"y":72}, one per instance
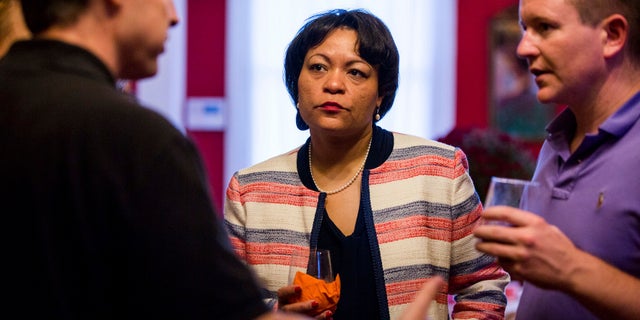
{"x":507,"y":192}
{"x":320,"y":265}
{"x":317,"y":264}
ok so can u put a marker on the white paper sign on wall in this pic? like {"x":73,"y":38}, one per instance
{"x":205,"y":114}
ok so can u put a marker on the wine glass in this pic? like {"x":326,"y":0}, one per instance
{"x":507,"y":192}
{"x":320,"y":265}
{"x":317,"y":264}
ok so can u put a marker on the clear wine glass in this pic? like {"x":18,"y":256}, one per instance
{"x":317,"y":264}
{"x":507,"y":192}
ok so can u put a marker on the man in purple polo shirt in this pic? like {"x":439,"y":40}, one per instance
{"x":579,"y":254}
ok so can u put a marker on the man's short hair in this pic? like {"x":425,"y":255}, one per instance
{"x":593,"y":11}
{"x":40,"y":15}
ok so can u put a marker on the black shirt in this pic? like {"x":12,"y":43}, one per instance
{"x":351,"y":258}
{"x":105,"y":205}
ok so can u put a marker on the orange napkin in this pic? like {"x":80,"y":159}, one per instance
{"x":325,"y":294}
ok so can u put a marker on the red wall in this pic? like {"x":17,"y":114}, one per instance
{"x":473,"y":78}
{"x":205,"y":77}
{"x":472,"y":93}
{"x":206,"y":61}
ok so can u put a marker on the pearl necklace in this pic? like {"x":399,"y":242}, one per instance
{"x":350,"y":182}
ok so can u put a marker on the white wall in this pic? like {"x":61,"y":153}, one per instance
{"x":261,"y":115}
{"x":165,"y":92}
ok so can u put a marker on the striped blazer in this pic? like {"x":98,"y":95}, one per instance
{"x":421,"y":210}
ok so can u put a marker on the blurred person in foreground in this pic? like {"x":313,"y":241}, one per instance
{"x":106,"y":209}
{"x":393,"y":209}
{"x":577,"y":243}
{"x":12,"y":25}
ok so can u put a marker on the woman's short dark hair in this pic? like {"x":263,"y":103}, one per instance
{"x":375,"y":45}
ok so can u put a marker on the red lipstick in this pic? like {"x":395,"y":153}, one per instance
{"x":331,"y":106}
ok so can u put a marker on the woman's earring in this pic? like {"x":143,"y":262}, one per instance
{"x":377,"y":117}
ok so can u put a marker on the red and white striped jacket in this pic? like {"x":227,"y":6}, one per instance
{"x":423,"y":208}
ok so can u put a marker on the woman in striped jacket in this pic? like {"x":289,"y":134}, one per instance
{"x":393,"y":209}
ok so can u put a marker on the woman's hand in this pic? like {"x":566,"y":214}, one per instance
{"x":288,"y":294}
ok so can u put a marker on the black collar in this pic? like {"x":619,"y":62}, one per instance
{"x":57,"y":56}
{"x":381,"y":147}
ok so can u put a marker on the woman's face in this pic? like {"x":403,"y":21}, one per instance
{"x":338,"y":90}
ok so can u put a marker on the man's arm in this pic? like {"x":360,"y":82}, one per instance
{"x":181,"y":263}
{"x":602,"y":288}
{"x":537,"y":252}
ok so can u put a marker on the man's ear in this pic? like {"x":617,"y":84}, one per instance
{"x":616,"y":32}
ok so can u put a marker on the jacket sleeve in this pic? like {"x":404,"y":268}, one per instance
{"x":235,"y":221}
{"x":180,"y":263}
{"x":476,"y":280}
{"x":235,"y":217}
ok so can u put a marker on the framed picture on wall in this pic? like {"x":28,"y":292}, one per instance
{"x":514,"y":107}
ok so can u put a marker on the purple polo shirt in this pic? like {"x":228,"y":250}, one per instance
{"x":593,"y":196}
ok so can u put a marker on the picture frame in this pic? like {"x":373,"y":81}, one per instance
{"x":513,"y":107}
